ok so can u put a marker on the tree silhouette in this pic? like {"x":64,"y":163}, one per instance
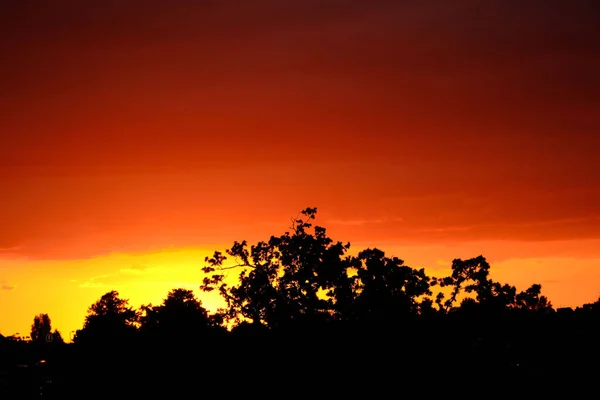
{"x":57,"y":337}
{"x":304,"y":277}
{"x":306,"y":306}
{"x":180,"y":317}
{"x":298,"y":276}
{"x":41,"y":329}
{"x":472,"y":276}
{"x":474,"y":273}
{"x":109,"y":318}
{"x":386,"y":288}
{"x":532,"y":300}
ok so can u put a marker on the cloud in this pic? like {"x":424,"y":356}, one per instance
{"x":522,"y":73}
{"x":5,"y":286}
{"x":130,"y":271}
{"x":123,"y":275}
{"x":96,"y":281}
{"x":445,"y":229}
{"x":91,"y":284}
{"x":360,"y":222}
{"x":135,"y":269}
{"x":173,"y":284}
{"x":10,"y":249}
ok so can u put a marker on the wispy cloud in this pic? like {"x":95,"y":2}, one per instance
{"x":131,"y":271}
{"x":136,"y":269}
{"x":95,"y":281}
{"x":5,"y":286}
{"x":120,"y":276}
{"x":559,"y":221}
{"x":173,"y":284}
{"x":445,"y":229}
{"x":359,"y":222}
{"x":92,"y":284}
{"x":10,"y":249}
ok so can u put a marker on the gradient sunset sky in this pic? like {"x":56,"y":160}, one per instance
{"x":138,"y":137}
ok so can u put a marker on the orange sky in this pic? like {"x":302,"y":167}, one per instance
{"x":137,"y":138}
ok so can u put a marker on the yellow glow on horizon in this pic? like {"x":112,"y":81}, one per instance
{"x":65,"y":289}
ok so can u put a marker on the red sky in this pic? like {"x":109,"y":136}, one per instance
{"x":419,"y":127}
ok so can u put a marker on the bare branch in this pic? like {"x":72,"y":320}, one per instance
{"x":236,"y":266}
{"x":294,"y":222}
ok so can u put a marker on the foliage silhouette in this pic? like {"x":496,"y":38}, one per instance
{"x":180,"y":317}
{"x":305,"y":277}
{"x":304,"y":313}
{"x":109,"y":319}
{"x":41,"y":328}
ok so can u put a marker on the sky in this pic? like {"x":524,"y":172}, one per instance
{"x":138,"y":137}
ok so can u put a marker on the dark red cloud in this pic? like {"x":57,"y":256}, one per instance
{"x":136,"y":125}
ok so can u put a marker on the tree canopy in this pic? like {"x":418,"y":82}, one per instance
{"x":108,"y":318}
{"x":305,"y":276}
{"x":305,"y":306}
{"x":180,"y":316}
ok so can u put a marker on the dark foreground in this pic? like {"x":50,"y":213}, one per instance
{"x":379,"y":363}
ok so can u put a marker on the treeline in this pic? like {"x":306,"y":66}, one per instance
{"x":304,"y":312}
